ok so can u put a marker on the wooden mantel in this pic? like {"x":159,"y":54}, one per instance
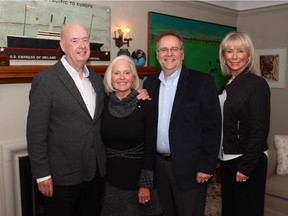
{"x":25,"y":73}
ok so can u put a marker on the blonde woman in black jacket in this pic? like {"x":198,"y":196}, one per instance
{"x":245,"y":105}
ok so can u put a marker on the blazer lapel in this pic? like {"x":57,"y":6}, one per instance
{"x":68,"y":82}
{"x":181,"y":87}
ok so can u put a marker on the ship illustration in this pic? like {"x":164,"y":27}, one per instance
{"x":44,"y":39}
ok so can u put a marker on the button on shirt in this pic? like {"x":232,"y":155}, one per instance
{"x":166,"y":99}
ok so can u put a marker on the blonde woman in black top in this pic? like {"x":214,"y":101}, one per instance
{"x":246,"y":114}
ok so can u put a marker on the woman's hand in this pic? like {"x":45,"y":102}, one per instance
{"x":240,"y":177}
{"x":143,"y":195}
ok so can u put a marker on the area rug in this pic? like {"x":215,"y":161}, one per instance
{"x":213,"y":200}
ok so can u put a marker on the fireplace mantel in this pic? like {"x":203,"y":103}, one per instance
{"x":25,"y":73}
{"x":10,"y":198}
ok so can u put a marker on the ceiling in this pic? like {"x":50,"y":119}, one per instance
{"x":245,"y":4}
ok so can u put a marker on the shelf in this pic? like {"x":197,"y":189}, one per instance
{"x":25,"y":73}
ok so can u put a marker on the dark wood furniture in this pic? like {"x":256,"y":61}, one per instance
{"x":25,"y":73}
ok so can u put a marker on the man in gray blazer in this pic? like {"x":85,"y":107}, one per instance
{"x":63,"y":130}
{"x":189,"y":129}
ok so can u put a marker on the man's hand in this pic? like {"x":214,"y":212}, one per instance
{"x":46,"y":187}
{"x":143,"y":94}
{"x":202,"y":177}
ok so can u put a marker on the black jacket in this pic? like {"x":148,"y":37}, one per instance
{"x":246,"y":119}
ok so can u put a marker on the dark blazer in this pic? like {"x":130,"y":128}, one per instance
{"x":246,"y":119}
{"x":63,"y":140}
{"x":195,"y":125}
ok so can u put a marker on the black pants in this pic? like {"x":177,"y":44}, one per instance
{"x":174,"y":201}
{"x":243,"y":198}
{"x":76,"y":200}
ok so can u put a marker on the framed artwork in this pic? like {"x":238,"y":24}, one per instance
{"x":30,"y":30}
{"x":202,"y":40}
{"x":272,"y":66}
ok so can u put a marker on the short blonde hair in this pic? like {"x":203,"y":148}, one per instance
{"x":237,"y":39}
{"x":107,"y":76}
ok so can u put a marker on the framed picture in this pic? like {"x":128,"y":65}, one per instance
{"x":272,"y":66}
{"x":30,"y":30}
{"x":202,"y":40}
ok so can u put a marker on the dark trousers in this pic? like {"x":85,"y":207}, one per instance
{"x":76,"y":200}
{"x":243,"y":198}
{"x":174,"y":201}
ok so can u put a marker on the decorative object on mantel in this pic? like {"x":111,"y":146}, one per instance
{"x":123,"y":52}
{"x":139,"y":57}
{"x":4,"y":57}
{"x":119,"y":37}
{"x":120,"y":40}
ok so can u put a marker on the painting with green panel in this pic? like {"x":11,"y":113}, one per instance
{"x":202,"y":40}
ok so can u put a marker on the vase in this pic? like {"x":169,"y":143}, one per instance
{"x":123,"y":52}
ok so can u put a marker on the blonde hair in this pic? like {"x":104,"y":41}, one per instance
{"x":237,"y":39}
{"x":107,"y":76}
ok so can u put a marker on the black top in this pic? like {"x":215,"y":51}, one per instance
{"x":246,"y":119}
{"x":130,"y":144}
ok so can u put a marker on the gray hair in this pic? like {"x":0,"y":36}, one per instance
{"x":107,"y":76}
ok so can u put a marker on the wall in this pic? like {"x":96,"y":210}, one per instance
{"x":268,"y":28}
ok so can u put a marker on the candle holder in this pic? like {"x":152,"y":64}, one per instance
{"x":119,"y":38}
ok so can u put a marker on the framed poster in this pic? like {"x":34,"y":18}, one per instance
{"x":272,"y":66}
{"x":202,"y":40}
{"x":30,"y":30}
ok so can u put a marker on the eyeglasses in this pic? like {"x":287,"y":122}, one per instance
{"x":166,"y":50}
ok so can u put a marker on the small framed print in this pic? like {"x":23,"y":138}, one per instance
{"x":272,"y":66}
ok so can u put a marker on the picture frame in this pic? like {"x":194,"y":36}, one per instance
{"x":272,"y":66}
{"x":202,"y":40}
{"x":30,"y":30}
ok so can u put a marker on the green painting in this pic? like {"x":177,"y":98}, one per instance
{"x":202,"y":40}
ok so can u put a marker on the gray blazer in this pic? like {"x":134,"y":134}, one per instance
{"x":63,"y":140}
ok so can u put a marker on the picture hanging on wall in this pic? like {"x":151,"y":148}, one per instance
{"x":202,"y":40}
{"x":30,"y":30}
{"x":272,"y":66}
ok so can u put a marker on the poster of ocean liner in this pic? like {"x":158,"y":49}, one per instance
{"x":30,"y":30}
